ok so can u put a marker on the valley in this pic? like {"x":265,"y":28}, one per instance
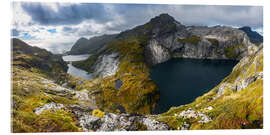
{"x":201,"y":77}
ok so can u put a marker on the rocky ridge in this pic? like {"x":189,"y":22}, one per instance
{"x":136,"y":50}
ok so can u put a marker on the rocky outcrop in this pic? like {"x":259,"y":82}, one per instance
{"x":49,"y":106}
{"x":156,"y":53}
{"x":194,"y":114}
{"x":106,"y":65}
{"x":118,"y":122}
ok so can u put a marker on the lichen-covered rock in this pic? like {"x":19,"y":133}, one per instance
{"x":195,"y":114}
{"x":50,"y":106}
{"x":118,"y":122}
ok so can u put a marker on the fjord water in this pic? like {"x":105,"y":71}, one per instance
{"x":181,"y":81}
{"x":76,"y":71}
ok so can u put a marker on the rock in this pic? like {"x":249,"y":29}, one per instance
{"x":154,"y":125}
{"x":185,"y":126}
{"x":209,"y":108}
{"x":83,"y":96}
{"x":194,"y":114}
{"x":106,"y":65}
{"x":50,"y":106}
{"x":115,"y":122}
{"x":156,"y":53}
{"x":220,"y":90}
{"x":247,"y":81}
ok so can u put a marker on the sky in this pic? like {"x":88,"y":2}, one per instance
{"x":57,"y":26}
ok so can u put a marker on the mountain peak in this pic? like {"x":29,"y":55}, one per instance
{"x":246,"y":28}
{"x":163,"y":18}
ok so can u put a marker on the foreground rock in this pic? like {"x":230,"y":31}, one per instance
{"x":118,"y":122}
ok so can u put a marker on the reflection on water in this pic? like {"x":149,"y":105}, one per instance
{"x":76,"y":71}
{"x":76,"y":57}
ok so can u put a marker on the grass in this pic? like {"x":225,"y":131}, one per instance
{"x":192,"y":40}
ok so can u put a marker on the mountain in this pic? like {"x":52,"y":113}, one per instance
{"x":29,"y":57}
{"x":85,"y":46}
{"x":163,"y":38}
{"x":122,"y":96}
{"x":254,"y":37}
{"x":129,"y":57}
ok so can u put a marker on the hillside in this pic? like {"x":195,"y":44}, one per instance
{"x":44,"y":102}
{"x":85,"y":46}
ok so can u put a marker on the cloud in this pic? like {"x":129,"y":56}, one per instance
{"x":57,"y":26}
{"x":57,"y":14}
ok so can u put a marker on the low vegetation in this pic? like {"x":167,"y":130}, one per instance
{"x":192,"y":40}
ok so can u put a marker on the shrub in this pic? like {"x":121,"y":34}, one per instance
{"x":98,"y":113}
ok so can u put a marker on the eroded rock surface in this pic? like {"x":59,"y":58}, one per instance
{"x":106,"y":65}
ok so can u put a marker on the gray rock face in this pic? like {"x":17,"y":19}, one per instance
{"x":218,"y":42}
{"x":156,"y":53}
{"x":106,"y":65}
{"x":114,"y":122}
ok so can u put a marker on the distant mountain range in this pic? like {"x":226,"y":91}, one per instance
{"x":254,"y":36}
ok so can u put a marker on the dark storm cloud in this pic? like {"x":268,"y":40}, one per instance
{"x":71,"y":14}
{"x":70,"y":29}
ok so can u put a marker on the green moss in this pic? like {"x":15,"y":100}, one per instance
{"x":213,"y":41}
{"x":174,"y":122}
{"x":232,"y":51}
{"x":141,"y":126}
{"x":192,"y":40}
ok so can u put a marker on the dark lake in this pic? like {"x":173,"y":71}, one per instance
{"x":181,"y":81}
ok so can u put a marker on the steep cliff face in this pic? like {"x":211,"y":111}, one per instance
{"x":156,"y":53}
{"x":106,"y":65}
{"x":237,"y":102}
{"x":217,"y":42}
